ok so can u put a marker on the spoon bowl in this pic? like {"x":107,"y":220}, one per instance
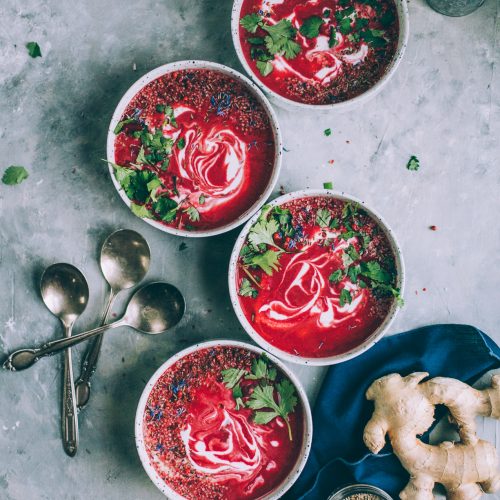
{"x":125,"y":258}
{"x":64,"y":291}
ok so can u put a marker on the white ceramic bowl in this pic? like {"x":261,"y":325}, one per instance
{"x":328,"y":360}
{"x":404,"y":30}
{"x":139,"y":432}
{"x":183,"y":65}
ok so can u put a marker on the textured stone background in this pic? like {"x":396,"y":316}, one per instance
{"x":443,"y":105}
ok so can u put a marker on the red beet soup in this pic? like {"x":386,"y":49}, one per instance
{"x":319,"y":51}
{"x":194,"y":149}
{"x":223,"y":423}
{"x":316,"y":276}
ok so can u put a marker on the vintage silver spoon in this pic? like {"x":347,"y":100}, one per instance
{"x":125,"y":258}
{"x":153,"y":309}
{"x":65,"y":292}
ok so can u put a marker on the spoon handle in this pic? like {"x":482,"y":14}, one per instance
{"x":24,"y":358}
{"x":89,"y":365}
{"x":69,"y":413}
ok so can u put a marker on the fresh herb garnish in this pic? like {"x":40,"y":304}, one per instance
{"x":323,"y":217}
{"x":413,"y":163}
{"x":201,"y":199}
{"x":15,"y":174}
{"x":251,"y":22}
{"x":265,"y":67}
{"x":268,"y":261}
{"x":261,"y":370}
{"x":310,"y":27}
{"x":120,"y":124}
{"x":246,"y":289}
{"x":232,"y":376}
{"x":345,"y":25}
{"x":34,"y":49}
{"x":166,"y":208}
{"x":281,"y":39}
{"x":328,"y":132}
{"x":262,"y":232}
{"x":345,"y":297}
{"x":327,"y":185}
{"x":140,"y":211}
{"x":336,"y":276}
{"x":193,"y":214}
{"x":332,"y":41}
{"x":181,"y":143}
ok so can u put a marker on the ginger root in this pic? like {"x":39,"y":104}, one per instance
{"x":404,"y":409}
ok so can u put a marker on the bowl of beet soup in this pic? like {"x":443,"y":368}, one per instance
{"x":316,"y":277}
{"x":194,"y":148}
{"x":223,"y":420}
{"x":319,"y":54}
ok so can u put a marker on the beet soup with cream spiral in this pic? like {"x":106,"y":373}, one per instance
{"x":194,"y":149}
{"x":319,"y":51}
{"x":316,"y":276}
{"x":223,"y":423}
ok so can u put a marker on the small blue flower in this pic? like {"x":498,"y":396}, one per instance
{"x":221,"y":101}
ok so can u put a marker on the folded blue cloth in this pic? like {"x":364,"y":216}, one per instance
{"x":338,"y":455}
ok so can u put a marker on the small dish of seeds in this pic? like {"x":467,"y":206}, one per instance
{"x":359,"y":492}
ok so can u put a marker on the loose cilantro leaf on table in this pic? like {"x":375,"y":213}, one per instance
{"x":328,"y":185}
{"x":413,"y":163}
{"x":246,"y":289}
{"x":34,"y":49}
{"x":310,"y":27}
{"x":281,"y":39}
{"x":345,"y":297}
{"x":15,"y":174}
{"x":328,"y":132}
{"x":323,"y":217}
{"x":251,"y":22}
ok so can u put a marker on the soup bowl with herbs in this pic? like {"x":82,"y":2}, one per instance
{"x":223,"y":420}
{"x":320,"y":53}
{"x":194,"y":148}
{"x":316,"y":277}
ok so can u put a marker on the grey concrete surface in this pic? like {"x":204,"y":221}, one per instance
{"x":443,"y":105}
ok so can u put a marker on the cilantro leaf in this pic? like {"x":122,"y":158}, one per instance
{"x":34,"y":49}
{"x":262,"y":232}
{"x":264,"y":417}
{"x":345,"y":297}
{"x":336,"y":276}
{"x":120,"y":124}
{"x":261,"y":370}
{"x":246,"y":289}
{"x":387,"y":18}
{"x":310,"y":27}
{"x":413,"y":163}
{"x":281,"y":39}
{"x":268,"y":261}
{"x":181,"y":143}
{"x":328,"y":132}
{"x":374,"y":271}
{"x":353,"y":273}
{"x":193,"y":214}
{"x":15,"y":174}
{"x":287,"y":397}
{"x":352,"y":252}
{"x":201,"y":199}
{"x":265,"y":67}
{"x":258,"y":40}
{"x":232,"y":376}
{"x":251,"y":22}
{"x":323,"y":217}
{"x":166,"y":207}
{"x":327,"y":185}
{"x":332,"y":41}
{"x":334,"y":223}
{"x":141,"y":211}
{"x":345,"y":25}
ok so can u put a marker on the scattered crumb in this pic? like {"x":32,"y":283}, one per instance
{"x":182,"y":247}
{"x":331,"y":162}
{"x":286,"y":150}
{"x":123,"y":360}
{"x":424,"y":289}
{"x":134,"y":67}
{"x":348,"y":142}
{"x":433,"y":228}
{"x":282,"y":190}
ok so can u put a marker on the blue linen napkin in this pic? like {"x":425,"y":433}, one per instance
{"x":338,"y":455}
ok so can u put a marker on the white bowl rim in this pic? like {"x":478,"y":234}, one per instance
{"x":198,"y":64}
{"x":284,"y":102}
{"x":327,"y":360}
{"x":287,"y":483}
